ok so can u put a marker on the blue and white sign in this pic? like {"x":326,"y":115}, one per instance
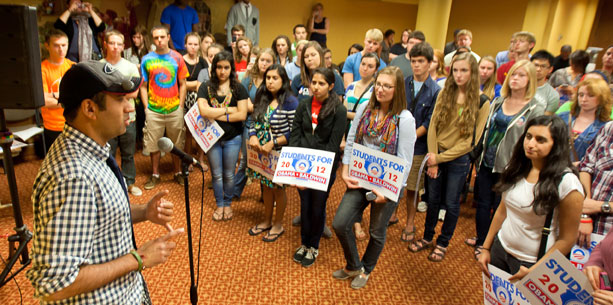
{"x":556,"y":281}
{"x":375,"y":169}
{"x":205,"y":131}
{"x":497,"y":290}
{"x":265,"y":164}
{"x":579,"y":256}
{"x":310,"y":168}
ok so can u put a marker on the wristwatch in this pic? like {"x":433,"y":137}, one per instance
{"x":606,"y":207}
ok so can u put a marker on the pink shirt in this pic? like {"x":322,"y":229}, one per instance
{"x":603,"y":258}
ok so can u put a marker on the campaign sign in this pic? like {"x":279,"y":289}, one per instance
{"x":579,"y":256}
{"x":264,"y":164}
{"x":205,"y":131}
{"x":556,"y":281}
{"x":497,"y":290}
{"x":375,"y":169}
{"x":305,"y":167}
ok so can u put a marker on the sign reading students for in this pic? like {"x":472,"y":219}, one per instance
{"x":375,"y":169}
{"x":306,"y":167}
{"x":264,"y":164}
{"x":556,"y":281}
{"x":579,"y":256}
{"x":497,"y":290}
{"x":204,"y":130}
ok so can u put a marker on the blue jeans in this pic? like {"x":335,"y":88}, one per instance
{"x":240,"y":180}
{"x":444,"y":192}
{"x":127,"y":147}
{"x":313,"y":214}
{"x":222,"y":157}
{"x":487,"y":200}
{"x":351,"y":207}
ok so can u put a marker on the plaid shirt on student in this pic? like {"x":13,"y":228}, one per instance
{"x":598,"y":161}
{"x":81,"y":217}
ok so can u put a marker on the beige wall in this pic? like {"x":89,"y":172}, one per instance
{"x":491,"y":22}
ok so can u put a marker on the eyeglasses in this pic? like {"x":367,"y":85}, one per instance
{"x":384,"y":86}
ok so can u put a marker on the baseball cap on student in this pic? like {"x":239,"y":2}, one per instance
{"x":86,"y":79}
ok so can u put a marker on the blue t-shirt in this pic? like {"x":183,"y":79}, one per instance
{"x":180,"y":21}
{"x":301,"y":91}
{"x":498,"y":128}
{"x":352,"y":65}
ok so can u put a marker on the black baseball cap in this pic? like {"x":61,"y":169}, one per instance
{"x":86,"y":79}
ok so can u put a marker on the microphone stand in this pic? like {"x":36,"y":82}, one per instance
{"x":193,"y":291}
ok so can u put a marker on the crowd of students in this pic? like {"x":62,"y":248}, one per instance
{"x":527,"y":131}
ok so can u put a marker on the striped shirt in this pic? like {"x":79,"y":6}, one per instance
{"x":81,"y":217}
{"x":281,"y":119}
{"x":598,"y":161}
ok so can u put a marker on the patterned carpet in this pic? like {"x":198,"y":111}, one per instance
{"x":240,"y":269}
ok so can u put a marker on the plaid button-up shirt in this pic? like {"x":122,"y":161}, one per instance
{"x":81,"y":217}
{"x":598,"y":161}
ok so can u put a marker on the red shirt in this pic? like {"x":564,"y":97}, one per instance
{"x":502,"y":72}
{"x":315,"y":108}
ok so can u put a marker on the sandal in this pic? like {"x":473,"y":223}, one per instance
{"x":228,"y":215}
{"x":393,"y":222}
{"x":407,"y":236}
{"x":477,"y":252}
{"x":359,"y":234}
{"x":437,"y":257}
{"x":257,"y":230}
{"x":267,"y":238}
{"x":471,"y":241}
{"x":217,"y":216}
{"x":422,"y":244}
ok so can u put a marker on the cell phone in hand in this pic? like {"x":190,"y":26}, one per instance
{"x":605,"y":283}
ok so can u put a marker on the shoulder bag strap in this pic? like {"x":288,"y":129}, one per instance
{"x":361,"y":96}
{"x":545,"y":235}
{"x":570,"y":137}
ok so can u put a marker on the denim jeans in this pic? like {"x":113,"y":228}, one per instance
{"x":351,"y":207}
{"x":222,"y":157}
{"x":487,"y":200}
{"x":240,"y":180}
{"x":127,"y":147}
{"x":444,"y":192}
{"x":313,"y":214}
{"x":505,"y":261}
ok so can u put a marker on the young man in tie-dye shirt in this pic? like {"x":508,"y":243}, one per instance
{"x":163,"y":94}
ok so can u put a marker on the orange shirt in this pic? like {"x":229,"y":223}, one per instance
{"x":53,"y":118}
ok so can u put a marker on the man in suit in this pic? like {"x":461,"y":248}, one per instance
{"x":248,"y":15}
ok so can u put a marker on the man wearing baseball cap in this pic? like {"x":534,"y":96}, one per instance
{"x":84,"y":251}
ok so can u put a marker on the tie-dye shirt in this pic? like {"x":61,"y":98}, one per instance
{"x":162,"y":73}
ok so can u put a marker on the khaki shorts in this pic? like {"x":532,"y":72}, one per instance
{"x":155,"y":126}
{"x":412,"y":180}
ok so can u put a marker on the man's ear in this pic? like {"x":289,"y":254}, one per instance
{"x":89,"y":109}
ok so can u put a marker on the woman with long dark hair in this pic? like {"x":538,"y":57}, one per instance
{"x":141,"y":44}
{"x":281,"y":46}
{"x":384,"y":124}
{"x":539,"y":180}
{"x":319,"y":124}
{"x":273,"y":114}
{"x":224,"y":99}
{"x":457,"y":118}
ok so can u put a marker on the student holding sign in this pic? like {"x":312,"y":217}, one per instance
{"x":383,"y":124}
{"x":539,"y":185}
{"x":319,"y":123}
{"x":273,"y":113}
{"x":601,"y":261}
{"x":224,"y":99}
{"x":456,"y":119}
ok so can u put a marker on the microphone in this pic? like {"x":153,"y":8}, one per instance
{"x":166,"y":145}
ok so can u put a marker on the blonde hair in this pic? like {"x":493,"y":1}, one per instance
{"x":531,"y":87}
{"x":600,"y":89}
{"x":399,"y":101}
{"x":237,"y":54}
{"x":203,"y":50}
{"x":374,"y":34}
{"x":465,"y":32}
{"x":440,"y":57}
{"x":489,"y":87}
{"x":446,"y":102}
{"x":525,"y":35}
{"x":255,"y":69}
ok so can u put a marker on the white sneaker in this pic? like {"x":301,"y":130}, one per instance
{"x":135,"y":190}
{"x":422,"y":206}
{"x":441,"y":215}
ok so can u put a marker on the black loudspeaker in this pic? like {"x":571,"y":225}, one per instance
{"x":21,"y":83}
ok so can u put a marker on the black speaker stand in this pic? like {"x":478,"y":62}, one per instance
{"x":22,"y":235}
